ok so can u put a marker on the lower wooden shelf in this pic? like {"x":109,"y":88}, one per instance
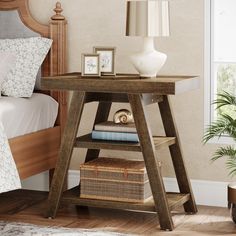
{"x":72,"y":197}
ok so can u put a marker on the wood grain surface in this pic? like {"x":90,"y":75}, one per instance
{"x":162,"y":85}
{"x":29,"y":207}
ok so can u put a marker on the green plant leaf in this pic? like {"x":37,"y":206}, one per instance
{"x":225,"y":124}
{"x":230,"y":154}
{"x":225,"y":99}
{"x":228,"y":151}
{"x":231,"y":166}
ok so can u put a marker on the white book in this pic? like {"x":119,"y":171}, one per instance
{"x":111,"y":126}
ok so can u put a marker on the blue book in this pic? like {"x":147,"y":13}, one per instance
{"x":115,"y":136}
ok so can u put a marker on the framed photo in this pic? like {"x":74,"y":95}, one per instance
{"x":107,"y":59}
{"x":90,"y":64}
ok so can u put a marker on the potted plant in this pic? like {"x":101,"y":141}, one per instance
{"x":225,"y":124}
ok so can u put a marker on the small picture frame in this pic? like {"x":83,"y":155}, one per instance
{"x":90,"y":64}
{"x":107,"y":59}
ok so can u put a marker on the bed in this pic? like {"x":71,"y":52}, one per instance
{"x":37,"y":151}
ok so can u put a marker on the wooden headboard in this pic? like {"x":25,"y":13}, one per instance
{"x":55,"y":62}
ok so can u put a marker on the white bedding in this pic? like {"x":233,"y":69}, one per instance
{"x":21,"y":116}
{"x":9,"y":177}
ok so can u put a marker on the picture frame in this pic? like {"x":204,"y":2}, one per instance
{"x":107,"y":59}
{"x":90,"y":64}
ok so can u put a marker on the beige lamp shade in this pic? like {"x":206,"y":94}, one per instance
{"x":147,"y":18}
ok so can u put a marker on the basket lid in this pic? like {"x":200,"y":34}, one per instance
{"x":115,"y":163}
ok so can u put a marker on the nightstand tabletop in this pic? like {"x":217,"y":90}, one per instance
{"x":122,"y":83}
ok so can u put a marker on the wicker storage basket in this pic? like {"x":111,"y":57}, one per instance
{"x":114,"y":179}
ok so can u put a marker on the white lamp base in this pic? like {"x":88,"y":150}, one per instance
{"x":149,"y":61}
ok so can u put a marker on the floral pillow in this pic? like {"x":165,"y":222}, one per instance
{"x":7,"y":62}
{"x":30,"y":53}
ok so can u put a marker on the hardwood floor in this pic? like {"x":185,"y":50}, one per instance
{"x":29,"y":206}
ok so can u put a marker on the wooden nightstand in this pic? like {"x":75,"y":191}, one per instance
{"x":138,"y":92}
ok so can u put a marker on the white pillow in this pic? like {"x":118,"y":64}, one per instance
{"x":7,"y":62}
{"x":30,"y":53}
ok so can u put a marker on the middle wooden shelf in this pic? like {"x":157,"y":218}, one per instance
{"x":86,"y":141}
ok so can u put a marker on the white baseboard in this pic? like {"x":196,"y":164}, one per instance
{"x":40,"y":182}
{"x":37,"y":182}
{"x":208,"y":193}
{"x":73,"y":178}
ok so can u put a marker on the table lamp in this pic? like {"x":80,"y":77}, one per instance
{"x":148,"y":19}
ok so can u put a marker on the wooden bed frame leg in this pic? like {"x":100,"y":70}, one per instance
{"x":176,"y":155}
{"x":102,"y":114}
{"x":70,"y":133}
{"x":149,"y":155}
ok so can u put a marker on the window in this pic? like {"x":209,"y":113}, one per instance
{"x":220,"y":58}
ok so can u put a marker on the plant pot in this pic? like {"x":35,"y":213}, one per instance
{"x":232,"y":200}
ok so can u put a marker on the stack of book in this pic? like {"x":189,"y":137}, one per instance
{"x":109,"y":130}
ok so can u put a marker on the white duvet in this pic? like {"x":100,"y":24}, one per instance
{"x":9,"y":177}
{"x":19,"y":116}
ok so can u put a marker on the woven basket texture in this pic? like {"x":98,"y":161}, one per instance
{"x":115,"y":179}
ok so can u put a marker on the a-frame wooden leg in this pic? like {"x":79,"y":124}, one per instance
{"x":102,"y":114}
{"x":65,"y":153}
{"x":176,"y":154}
{"x":149,"y":154}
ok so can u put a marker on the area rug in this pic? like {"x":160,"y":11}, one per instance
{"x":20,"y":229}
